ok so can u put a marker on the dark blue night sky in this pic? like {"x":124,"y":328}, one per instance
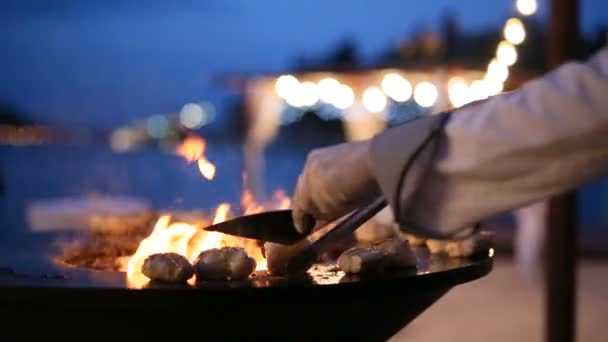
{"x":108,"y":62}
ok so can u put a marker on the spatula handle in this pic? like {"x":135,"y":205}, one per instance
{"x":342,"y":231}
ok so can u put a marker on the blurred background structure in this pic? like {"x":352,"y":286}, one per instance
{"x":96,"y":97}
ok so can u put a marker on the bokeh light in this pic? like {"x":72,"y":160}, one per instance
{"x":122,"y":140}
{"x":306,"y":94}
{"x":193,"y":116}
{"x":157,"y":126}
{"x":497,"y":72}
{"x":397,"y":87}
{"x":373,"y":99}
{"x":514,"y":31}
{"x":526,"y":7}
{"x":479,"y":90}
{"x":425,"y":94}
{"x":493,"y":87}
{"x":286,"y":85}
{"x":328,"y":89}
{"x":506,"y":53}
{"x":345,"y":97}
{"x":458,"y":91}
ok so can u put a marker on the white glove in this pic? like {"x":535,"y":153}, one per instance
{"x":339,"y":179}
{"x":335,"y":180}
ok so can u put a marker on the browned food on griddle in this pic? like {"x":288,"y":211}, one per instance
{"x":167,"y":267}
{"x":278,"y":255}
{"x":471,"y":246}
{"x":224,"y":263}
{"x":415,"y":241}
{"x":397,"y":253}
{"x":240,"y":265}
{"x":436,"y":246}
{"x":358,"y":260}
{"x":387,"y":254}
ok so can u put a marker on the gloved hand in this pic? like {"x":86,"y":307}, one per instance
{"x":334,"y":181}
{"x":339,"y":179}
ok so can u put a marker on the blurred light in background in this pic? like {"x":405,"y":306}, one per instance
{"x":397,"y":87}
{"x":344,"y":98}
{"x":526,"y":7}
{"x":458,"y":91}
{"x":514,"y":31}
{"x":506,"y":53}
{"x":193,"y":116}
{"x":373,"y":99}
{"x":308,"y":94}
{"x":497,"y":72}
{"x":493,"y":87}
{"x":122,"y":140}
{"x":286,"y":85}
{"x":479,"y":90}
{"x":425,"y":94}
{"x":157,"y":126}
{"x":328,"y":89}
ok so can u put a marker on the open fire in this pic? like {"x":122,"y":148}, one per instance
{"x":171,"y":233}
{"x":189,"y":240}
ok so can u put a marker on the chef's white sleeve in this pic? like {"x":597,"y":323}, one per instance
{"x":548,"y":137}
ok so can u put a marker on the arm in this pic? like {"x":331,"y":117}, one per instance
{"x":546,"y":138}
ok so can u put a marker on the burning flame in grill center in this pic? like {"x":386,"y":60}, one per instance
{"x":189,"y":239}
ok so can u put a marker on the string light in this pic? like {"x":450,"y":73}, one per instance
{"x":399,"y":89}
{"x":526,"y":7}
{"x":478,"y":90}
{"x":506,"y":53}
{"x":493,"y":87}
{"x":345,"y":97}
{"x":307,"y":94}
{"x":497,"y":71}
{"x":286,"y":86}
{"x":328,"y":88}
{"x":458,"y":91}
{"x":373,"y":99}
{"x":396,"y":87}
{"x":514,"y":31}
{"x":425,"y":94}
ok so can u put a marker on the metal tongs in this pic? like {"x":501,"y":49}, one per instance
{"x":278,"y":227}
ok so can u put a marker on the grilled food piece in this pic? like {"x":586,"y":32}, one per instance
{"x":398,"y":253}
{"x":167,"y":267}
{"x":472,"y":246}
{"x":414,"y":240}
{"x":224,"y":263}
{"x":359,"y":260}
{"x":388,"y":254}
{"x":436,"y":246}
{"x":240,"y":265}
{"x":278,"y":255}
{"x":211,"y":265}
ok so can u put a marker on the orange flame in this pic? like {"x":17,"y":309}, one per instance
{"x":190,"y":240}
{"x":206,"y":168}
{"x":281,"y":199}
{"x":193,"y":149}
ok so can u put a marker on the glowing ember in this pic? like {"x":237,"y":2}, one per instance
{"x":193,"y":149}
